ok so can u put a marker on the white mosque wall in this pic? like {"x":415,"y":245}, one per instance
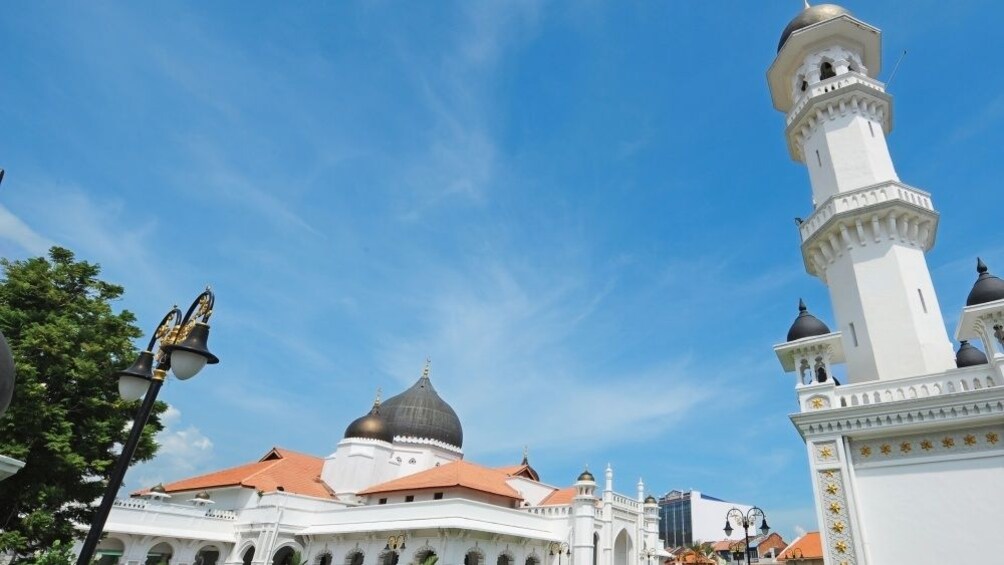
{"x":532,"y":492}
{"x":922,"y":512}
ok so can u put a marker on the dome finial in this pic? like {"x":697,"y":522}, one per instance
{"x":981,"y":267}
{"x":801,"y":306}
{"x":376,"y":401}
{"x":807,"y":6}
{"x":526,"y":455}
{"x":425,"y":370}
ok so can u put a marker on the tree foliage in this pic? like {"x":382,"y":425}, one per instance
{"x":66,"y":418}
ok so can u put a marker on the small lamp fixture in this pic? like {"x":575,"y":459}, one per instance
{"x":764,"y":528}
{"x":192,"y":354}
{"x":728,"y":527}
{"x":135,"y":381}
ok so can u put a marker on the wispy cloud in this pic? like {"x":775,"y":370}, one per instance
{"x":16,"y":230}
{"x":182,"y":451}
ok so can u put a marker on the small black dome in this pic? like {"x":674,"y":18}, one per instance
{"x":969,"y":356}
{"x":587,"y":476}
{"x":370,"y":426}
{"x":806,"y":325}
{"x":987,"y":288}
{"x":811,"y":15}
{"x":651,"y":500}
{"x":419,"y":412}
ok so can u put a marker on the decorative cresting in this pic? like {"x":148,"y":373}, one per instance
{"x":873,"y":215}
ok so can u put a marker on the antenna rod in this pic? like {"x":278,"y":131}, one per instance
{"x":894,"y":69}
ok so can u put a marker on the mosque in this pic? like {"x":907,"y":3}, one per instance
{"x":905,"y":453}
{"x":396,"y":490}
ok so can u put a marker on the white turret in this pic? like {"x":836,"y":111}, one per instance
{"x":584,"y":510}
{"x":362,"y":458}
{"x":868,"y":232}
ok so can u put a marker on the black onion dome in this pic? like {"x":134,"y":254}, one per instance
{"x":987,"y":287}
{"x":370,"y":426}
{"x":809,"y":16}
{"x":806,"y":325}
{"x":587,"y":476}
{"x":651,"y":500}
{"x":969,"y":356}
{"x":419,"y":412}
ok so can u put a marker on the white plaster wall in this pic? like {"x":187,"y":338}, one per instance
{"x":874,"y":287}
{"x":532,"y":491}
{"x":934,"y":512}
{"x":851,"y":156}
{"x":358,"y":463}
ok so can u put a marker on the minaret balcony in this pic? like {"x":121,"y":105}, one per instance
{"x":848,"y":93}
{"x":886,"y":211}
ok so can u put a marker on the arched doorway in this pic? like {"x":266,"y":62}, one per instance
{"x":160,"y":554}
{"x":354,"y":557}
{"x":474,"y":557}
{"x":109,"y":551}
{"x":532,"y":560}
{"x":283,"y":556}
{"x":504,"y":559}
{"x":426,"y":557}
{"x":248,"y":556}
{"x":596,"y":548}
{"x":207,"y":555}
{"x":389,"y":557}
{"x":622,"y":548}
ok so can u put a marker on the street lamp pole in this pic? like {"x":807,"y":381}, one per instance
{"x":648,"y":553}
{"x":181,"y":342}
{"x":745,"y":521}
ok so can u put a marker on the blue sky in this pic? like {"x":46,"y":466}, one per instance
{"x":582,"y":212}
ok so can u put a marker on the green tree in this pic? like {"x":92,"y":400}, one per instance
{"x":66,"y":417}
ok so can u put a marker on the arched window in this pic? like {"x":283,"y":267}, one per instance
{"x":248,"y":555}
{"x":324,"y":558}
{"x":826,"y":71}
{"x":425,"y":557}
{"x":389,"y":558}
{"x":532,"y":560}
{"x":472,"y":558}
{"x":160,"y":554}
{"x":504,"y":559}
{"x":283,"y":557}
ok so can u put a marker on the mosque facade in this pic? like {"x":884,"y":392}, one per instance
{"x":905,"y":455}
{"x":396,"y":490}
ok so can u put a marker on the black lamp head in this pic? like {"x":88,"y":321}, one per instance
{"x":764,"y":528}
{"x":728,"y":527}
{"x":195,"y":342}
{"x":141,"y":368}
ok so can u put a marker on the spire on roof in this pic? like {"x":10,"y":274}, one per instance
{"x":526,"y":455}
{"x":425,"y":371}
{"x":807,"y":6}
{"x":376,"y":401}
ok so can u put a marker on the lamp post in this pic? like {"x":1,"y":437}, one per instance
{"x":745,"y":521}
{"x":558,"y":549}
{"x":181,"y":348}
{"x":648,"y":553}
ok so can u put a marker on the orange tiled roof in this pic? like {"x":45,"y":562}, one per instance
{"x":559,"y":497}
{"x":454,"y":474}
{"x":808,"y":545}
{"x":296,"y":473}
{"x":724,"y":545}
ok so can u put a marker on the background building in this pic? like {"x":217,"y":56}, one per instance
{"x":689,"y":516}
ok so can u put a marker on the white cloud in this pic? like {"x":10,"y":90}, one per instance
{"x":183,"y":451}
{"x":16,"y":230}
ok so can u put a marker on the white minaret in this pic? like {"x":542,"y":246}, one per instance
{"x":868,"y":232}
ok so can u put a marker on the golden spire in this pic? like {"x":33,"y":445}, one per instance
{"x":425,"y":371}
{"x":376,"y":401}
{"x":526,"y":454}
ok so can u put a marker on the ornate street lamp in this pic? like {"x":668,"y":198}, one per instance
{"x":745,"y":521}
{"x":395,"y":543}
{"x":559,"y":549}
{"x":181,"y":348}
{"x":648,"y":553}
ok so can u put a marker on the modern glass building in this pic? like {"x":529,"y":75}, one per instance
{"x":689,"y":516}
